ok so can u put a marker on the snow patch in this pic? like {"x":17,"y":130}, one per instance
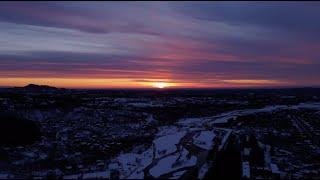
{"x":172,"y":163}
{"x":167,"y":144}
{"x":204,"y":139}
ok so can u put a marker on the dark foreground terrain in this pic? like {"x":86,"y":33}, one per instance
{"x":47,"y":132}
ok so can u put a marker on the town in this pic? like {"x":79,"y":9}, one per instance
{"x":178,"y":134}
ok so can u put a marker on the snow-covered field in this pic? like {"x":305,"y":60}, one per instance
{"x":203,"y":170}
{"x":231,"y":115}
{"x":169,"y":156}
{"x":167,"y":144}
{"x":131,"y":164}
{"x":174,"y":162}
{"x":93,"y":175}
{"x":178,"y":174}
{"x":204,"y":139}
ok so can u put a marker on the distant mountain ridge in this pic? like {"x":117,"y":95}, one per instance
{"x":35,"y":87}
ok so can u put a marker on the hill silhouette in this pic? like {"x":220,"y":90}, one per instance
{"x":38,"y":88}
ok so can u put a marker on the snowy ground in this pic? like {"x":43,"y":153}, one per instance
{"x":231,"y":115}
{"x":178,"y":174}
{"x":169,"y":156}
{"x":203,"y":170}
{"x":131,"y":165}
{"x":93,"y":175}
{"x":204,"y":139}
{"x":167,"y":144}
{"x":172,"y":163}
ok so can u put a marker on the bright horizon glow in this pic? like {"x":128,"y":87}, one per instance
{"x":160,"y":85}
{"x":86,"y":83}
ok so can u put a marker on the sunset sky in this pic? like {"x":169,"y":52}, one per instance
{"x":142,"y":44}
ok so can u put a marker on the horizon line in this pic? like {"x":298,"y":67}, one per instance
{"x":176,"y":88}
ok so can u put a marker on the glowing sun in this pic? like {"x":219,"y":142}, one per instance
{"x":160,"y":85}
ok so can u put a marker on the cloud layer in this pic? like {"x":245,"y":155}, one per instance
{"x":191,"y":44}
